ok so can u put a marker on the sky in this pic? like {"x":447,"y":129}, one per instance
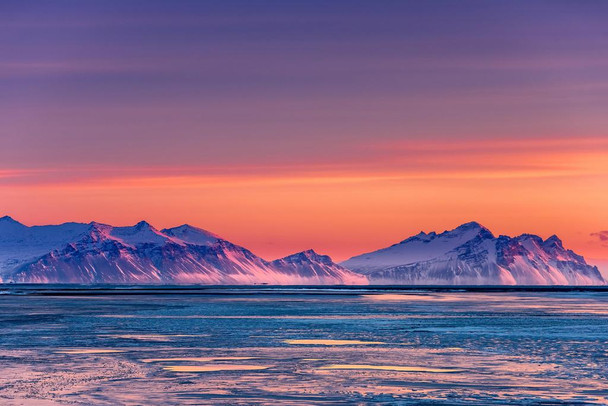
{"x":343,"y":126}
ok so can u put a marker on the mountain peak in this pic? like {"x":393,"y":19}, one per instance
{"x":307,"y":255}
{"x":192,"y":235}
{"x":471,"y":225}
{"x":97,"y":231}
{"x":554,"y":240}
{"x":187,"y":228}
{"x":8,"y":223}
{"x":8,"y":219}
{"x":96,"y":224}
{"x":144,"y":225}
{"x":421,"y":236}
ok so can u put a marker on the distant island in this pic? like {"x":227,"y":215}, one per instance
{"x":141,"y":254}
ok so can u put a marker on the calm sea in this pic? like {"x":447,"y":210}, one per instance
{"x":113,"y":345}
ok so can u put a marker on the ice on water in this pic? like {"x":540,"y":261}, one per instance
{"x":302,"y":346}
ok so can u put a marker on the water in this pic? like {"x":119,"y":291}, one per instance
{"x":301,"y":346}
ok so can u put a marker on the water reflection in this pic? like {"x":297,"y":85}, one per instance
{"x":331,"y":342}
{"x":436,"y":347}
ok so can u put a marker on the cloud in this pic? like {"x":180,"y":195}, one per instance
{"x":602,"y":236}
{"x":502,"y":159}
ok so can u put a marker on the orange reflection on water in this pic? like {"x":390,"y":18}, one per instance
{"x":215,"y":368}
{"x":392,"y":368}
{"x":196,"y":359}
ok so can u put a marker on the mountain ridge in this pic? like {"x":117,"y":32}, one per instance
{"x":101,"y":253}
{"x":471,"y":254}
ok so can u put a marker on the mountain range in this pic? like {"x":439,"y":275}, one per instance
{"x":141,"y":254}
{"x":471,"y":255}
{"x":100,"y":253}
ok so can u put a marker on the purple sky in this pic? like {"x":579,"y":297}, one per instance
{"x":491,"y":99}
{"x":135,"y":83}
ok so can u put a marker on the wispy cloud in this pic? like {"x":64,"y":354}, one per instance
{"x":417,"y":160}
{"x":602,"y":237}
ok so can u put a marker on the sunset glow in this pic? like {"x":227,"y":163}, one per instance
{"x":343,"y":130}
{"x":275,"y":202}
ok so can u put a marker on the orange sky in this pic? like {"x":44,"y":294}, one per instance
{"x":540,"y":186}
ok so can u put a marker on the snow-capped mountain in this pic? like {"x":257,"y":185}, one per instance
{"x":472,"y":255}
{"x":20,"y":244}
{"x":100,"y":253}
{"x":318,"y":268}
{"x":192,"y":235}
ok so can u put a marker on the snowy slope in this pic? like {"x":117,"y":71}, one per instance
{"x":471,"y":255}
{"x":419,"y":248}
{"x":20,"y":244}
{"x":315,"y":269}
{"x":192,"y":235}
{"x":100,"y":253}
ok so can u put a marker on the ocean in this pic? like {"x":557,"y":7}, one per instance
{"x":192,"y":345}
